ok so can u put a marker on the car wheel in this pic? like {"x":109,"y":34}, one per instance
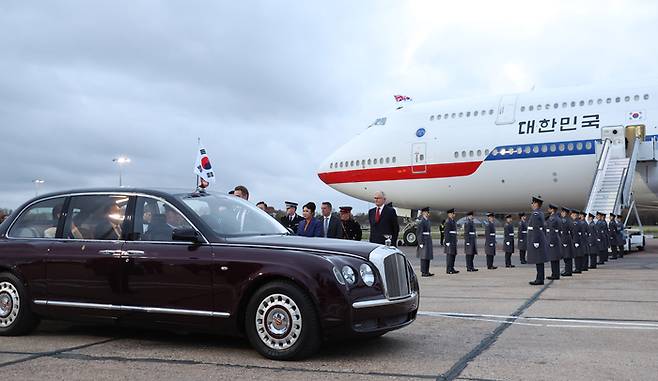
{"x":16,"y":318}
{"x":410,"y":238}
{"x":281,"y":322}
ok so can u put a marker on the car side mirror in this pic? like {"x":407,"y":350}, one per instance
{"x":186,"y":235}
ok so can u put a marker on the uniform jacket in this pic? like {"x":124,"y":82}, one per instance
{"x":523,"y":235}
{"x":469,"y":238}
{"x":291,"y":224}
{"x":602,"y":233}
{"x":566,"y":234}
{"x":424,"y":234}
{"x":621,"y":239}
{"x":592,"y":238}
{"x":508,"y":239}
{"x":352,"y":230}
{"x":387,"y":225}
{"x":536,"y":238}
{"x":451,"y":237}
{"x":613,"y":233}
{"x":553,"y":234}
{"x":490,"y":239}
{"x":577,"y":239}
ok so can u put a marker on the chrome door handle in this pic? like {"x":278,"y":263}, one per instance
{"x":114,"y":253}
{"x":134,"y":252}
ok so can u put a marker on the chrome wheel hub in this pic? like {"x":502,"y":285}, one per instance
{"x":9,"y":304}
{"x":278,"y":321}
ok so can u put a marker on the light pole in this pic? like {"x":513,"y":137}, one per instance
{"x":121,"y":160}
{"x":37,"y":182}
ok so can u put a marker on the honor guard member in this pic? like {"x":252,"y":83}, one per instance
{"x":576,"y":241}
{"x":554,"y":250}
{"x":451,"y":242}
{"x":351,"y":228}
{"x":567,"y":242}
{"x":584,"y":228}
{"x":469,"y":242}
{"x":291,"y":220}
{"x":490,"y":241}
{"x":612,"y":233}
{"x":537,"y":240}
{"x":593,"y":240}
{"x":424,"y":250}
{"x":508,"y":241}
{"x":621,"y":240}
{"x":602,"y":232}
{"x":523,"y":236}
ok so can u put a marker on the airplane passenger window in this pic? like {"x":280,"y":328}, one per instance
{"x":570,"y":147}
{"x":530,"y":108}
{"x":483,"y":112}
{"x":463,"y":153}
{"x":475,"y":113}
{"x":461,"y":114}
{"x":538,"y":107}
{"x":352,"y":163}
{"x":535,"y":149}
{"x":646,"y":97}
{"x":331,"y":165}
{"x":588,"y":145}
{"x":486,"y":152}
{"x":358,"y":162}
{"x":552,"y":148}
{"x":468,"y":114}
{"x":617,"y":100}
{"x":479,"y":153}
{"x":470,"y":153}
{"x":522,"y":109}
{"x":490,"y":111}
{"x":388,"y":160}
{"x":456,"y":154}
{"x":579,"y":146}
{"x":556,"y":105}
{"x":590,"y":102}
{"x":369,"y":161}
{"x":581,"y":103}
{"x":453,"y":115}
{"x":438,"y":117}
{"x":599,"y":101}
{"x":564,"y":104}
{"x":561,"y":147}
{"x":431,"y":117}
{"x":544,"y":148}
{"x":573,"y":104}
{"x":381,"y":160}
{"x":548,"y":106}
{"x":608,"y":100}
{"x":341,"y":164}
{"x":393,"y":160}
{"x":636,"y":98}
{"x":445,"y":116}
{"x":527,"y":149}
{"x":627,"y":98}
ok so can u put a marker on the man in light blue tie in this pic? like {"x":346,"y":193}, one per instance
{"x":331,"y":226}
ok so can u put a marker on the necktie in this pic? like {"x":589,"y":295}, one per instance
{"x":326,"y":226}
{"x":377,"y":215}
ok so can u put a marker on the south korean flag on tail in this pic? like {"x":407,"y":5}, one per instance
{"x":202,"y":167}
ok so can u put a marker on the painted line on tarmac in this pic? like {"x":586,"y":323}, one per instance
{"x":506,"y":318}
{"x":461,"y":364}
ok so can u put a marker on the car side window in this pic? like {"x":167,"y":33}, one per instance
{"x":96,"y":217}
{"x":155,"y":220}
{"x":39,"y":220}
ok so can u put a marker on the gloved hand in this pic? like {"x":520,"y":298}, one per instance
{"x":421,"y":245}
{"x":536,"y":245}
{"x":576,"y":245}
{"x":506,"y":243}
{"x":448,"y":244}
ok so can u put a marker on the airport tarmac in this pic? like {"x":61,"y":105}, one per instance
{"x":489,"y":325}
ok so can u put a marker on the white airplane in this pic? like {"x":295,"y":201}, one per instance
{"x":493,"y":153}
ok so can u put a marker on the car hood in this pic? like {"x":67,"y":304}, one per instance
{"x":362,"y":249}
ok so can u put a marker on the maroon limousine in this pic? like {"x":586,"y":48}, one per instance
{"x":195,"y":261}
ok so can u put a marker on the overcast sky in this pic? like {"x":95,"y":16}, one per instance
{"x":271,"y":87}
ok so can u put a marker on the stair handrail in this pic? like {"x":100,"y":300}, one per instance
{"x":599,"y":169}
{"x":629,"y":176}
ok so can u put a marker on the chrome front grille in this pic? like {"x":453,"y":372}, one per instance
{"x":392,"y":266}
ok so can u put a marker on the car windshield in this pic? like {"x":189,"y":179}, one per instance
{"x":231,"y":216}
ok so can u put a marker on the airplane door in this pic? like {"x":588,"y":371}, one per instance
{"x":506,"y":110}
{"x":418,"y":158}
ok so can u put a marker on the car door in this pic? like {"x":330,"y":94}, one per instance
{"x":83,"y":265}
{"x":166,"y":280}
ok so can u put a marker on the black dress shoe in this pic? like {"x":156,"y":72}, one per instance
{"x":452,"y":272}
{"x":565,"y":274}
{"x":523,"y":262}
{"x":472,"y":270}
{"x":509,"y":266}
{"x":577,"y":272}
{"x":427,"y":274}
{"x":492,"y":268}
{"x":584,"y":269}
{"x":553,"y":277}
{"x":536,"y":282}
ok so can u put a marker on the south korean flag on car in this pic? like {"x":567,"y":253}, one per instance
{"x":202,"y":167}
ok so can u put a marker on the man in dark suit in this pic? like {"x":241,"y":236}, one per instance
{"x":111,"y":227}
{"x":291,"y":220}
{"x":383,"y":221}
{"x":331,"y":226}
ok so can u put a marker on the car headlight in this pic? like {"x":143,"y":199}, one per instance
{"x":367,"y":275}
{"x":349,"y":275}
{"x":339,"y":276}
